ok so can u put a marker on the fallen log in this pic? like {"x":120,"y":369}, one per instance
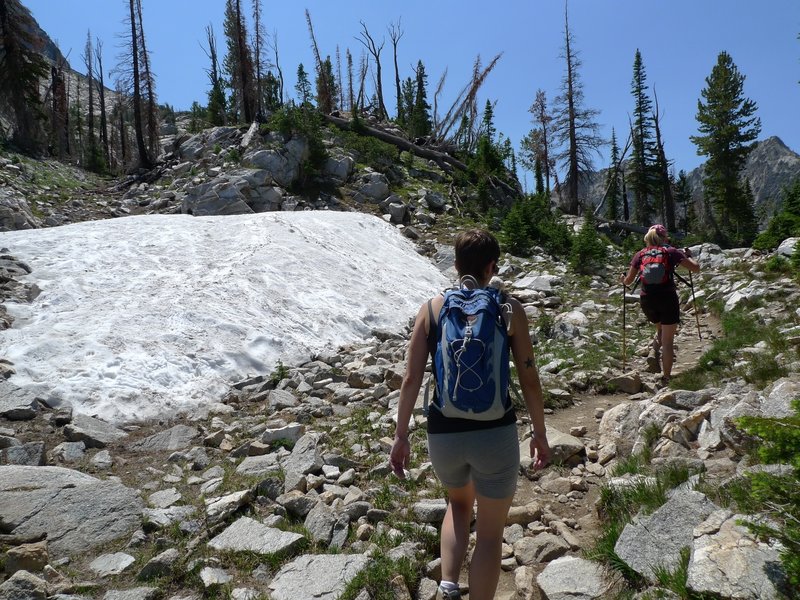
{"x":446,"y":162}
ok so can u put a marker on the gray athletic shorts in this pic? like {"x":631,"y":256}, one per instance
{"x":488,"y":457}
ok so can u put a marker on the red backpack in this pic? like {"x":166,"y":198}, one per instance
{"x":655,"y":267}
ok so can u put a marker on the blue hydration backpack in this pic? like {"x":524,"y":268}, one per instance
{"x":470,"y":362}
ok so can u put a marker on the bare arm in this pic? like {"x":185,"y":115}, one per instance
{"x":628,"y":278}
{"x":416,"y":360}
{"x":691,"y":264}
{"x":525,"y":361}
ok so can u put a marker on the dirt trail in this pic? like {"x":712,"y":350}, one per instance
{"x":688,"y":349}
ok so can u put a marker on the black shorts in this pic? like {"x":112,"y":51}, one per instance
{"x":661,"y":307}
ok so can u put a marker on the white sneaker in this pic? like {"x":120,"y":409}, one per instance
{"x":450,"y":594}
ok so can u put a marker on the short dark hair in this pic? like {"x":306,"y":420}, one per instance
{"x":475,"y":249}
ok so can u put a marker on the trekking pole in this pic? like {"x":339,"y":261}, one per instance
{"x":624,"y":341}
{"x":696,"y":308}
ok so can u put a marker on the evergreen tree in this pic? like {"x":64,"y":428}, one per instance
{"x":728,"y":127}
{"x":535,"y":145}
{"x":419,"y":123}
{"x":575,"y":129}
{"x":21,"y":69}
{"x":613,"y":183}
{"x":588,"y":250}
{"x":303,"y":86}
{"x":408,"y":100}
{"x":216,"y":95}
{"x":238,"y":63}
{"x":196,"y":118}
{"x":643,"y":151}
{"x":327,"y":90}
{"x":537,"y":173}
{"x":683,"y":200}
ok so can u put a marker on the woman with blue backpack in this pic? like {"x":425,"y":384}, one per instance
{"x":471,"y":332}
{"x":655,"y":266}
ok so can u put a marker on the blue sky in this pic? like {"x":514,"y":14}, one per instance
{"x":679,"y":48}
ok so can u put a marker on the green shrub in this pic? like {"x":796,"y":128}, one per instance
{"x":529,"y":223}
{"x":777,"y":264}
{"x":589,"y":250}
{"x":370,"y":150}
{"x":778,"y":496}
{"x":304,"y":122}
{"x":279,"y":374}
{"x":783,"y":225}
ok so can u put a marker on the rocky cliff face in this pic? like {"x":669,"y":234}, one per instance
{"x":770,"y":167}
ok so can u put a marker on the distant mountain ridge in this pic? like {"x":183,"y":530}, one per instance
{"x":770,"y":167}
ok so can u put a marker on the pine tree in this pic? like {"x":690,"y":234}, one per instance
{"x":575,"y":129}
{"x":303,"y":86}
{"x":643,"y":153}
{"x":216,"y":95}
{"x":21,"y":69}
{"x":238,"y":63}
{"x":728,"y":127}
{"x":613,"y":184}
{"x":419,"y":123}
{"x":144,"y":158}
{"x":327,"y":88}
{"x":683,"y":200}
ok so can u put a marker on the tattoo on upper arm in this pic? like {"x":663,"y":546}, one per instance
{"x":529,"y":363}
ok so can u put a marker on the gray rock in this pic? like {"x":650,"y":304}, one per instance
{"x":373,"y":185}
{"x":562,"y":445}
{"x":280,"y":399}
{"x":15,"y":212}
{"x":787,"y":247}
{"x":31,"y":454}
{"x":69,"y":452}
{"x":246,"y":534}
{"x":259,"y":465}
{"x":77,"y":511}
{"x":305,"y":457}
{"x":164,"y":517}
{"x":429,"y":511}
{"x":139,"y":593}
{"x":629,"y":383}
{"x":160,"y":565}
{"x":16,"y":404}
{"x":683,"y":399}
{"x":176,"y":438}
{"x":320,"y":522}
{"x":656,"y":540}
{"x":435,"y":200}
{"x":92,"y":432}
{"x":543,"y":547}
{"x":573,"y":578}
{"x":23,"y":586}
{"x":291,"y":433}
{"x":339,"y":168}
{"x":777,"y":404}
{"x":322,"y":577}
{"x":297,"y":503}
{"x":111,"y":564}
{"x":220,"y":508}
{"x":619,"y":426}
{"x":164,"y":498}
{"x":729,"y":562}
{"x":282,"y":165}
{"x":212,"y":577}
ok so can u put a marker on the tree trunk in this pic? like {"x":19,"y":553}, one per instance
{"x":445,"y":161}
{"x":102,"y":93}
{"x":144,"y":159}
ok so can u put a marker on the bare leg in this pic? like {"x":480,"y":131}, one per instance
{"x":455,"y":530}
{"x":484,"y":571}
{"x":667,"y":348}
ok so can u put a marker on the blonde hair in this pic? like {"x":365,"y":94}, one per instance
{"x":651,"y":238}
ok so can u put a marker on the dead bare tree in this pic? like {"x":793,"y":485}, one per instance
{"x":98,"y":56}
{"x":88,"y":61}
{"x":60,"y":108}
{"x":439,"y":88}
{"x":363,"y":69}
{"x":618,"y":168}
{"x":396,"y":34}
{"x":144,"y":157}
{"x":375,"y":50}
{"x":667,"y":199}
{"x":339,"y":76}
{"x":325,"y":87}
{"x":148,"y":79}
{"x":465,"y":103}
{"x":350,"y":95}
{"x":274,"y":45}
{"x":258,"y":49}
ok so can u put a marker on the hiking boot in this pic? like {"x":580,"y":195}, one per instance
{"x":449,"y":595}
{"x":654,"y":363}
